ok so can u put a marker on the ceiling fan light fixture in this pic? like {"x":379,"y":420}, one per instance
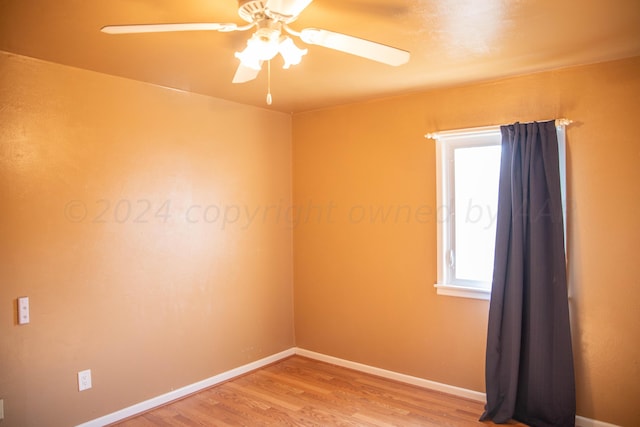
{"x":260,"y":47}
{"x":249,"y":58}
{"x":291,"y":53}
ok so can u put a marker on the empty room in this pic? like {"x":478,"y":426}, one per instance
{"x":327,"y":212}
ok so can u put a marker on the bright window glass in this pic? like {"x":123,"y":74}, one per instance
{"x":476,"y":175}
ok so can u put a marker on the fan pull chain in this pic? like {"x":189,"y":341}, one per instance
{"x":269,"y":99}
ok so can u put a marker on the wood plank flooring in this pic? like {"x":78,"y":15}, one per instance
{"x":298,"y":391}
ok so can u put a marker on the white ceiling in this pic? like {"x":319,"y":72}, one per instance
{"x":451,"y":42}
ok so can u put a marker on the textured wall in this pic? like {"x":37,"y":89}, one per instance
{"x":365,"y":246}
{"x":146,"y":227}
{"x":114,"y":196}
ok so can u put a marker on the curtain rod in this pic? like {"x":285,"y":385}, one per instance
{"x":488,"y":129}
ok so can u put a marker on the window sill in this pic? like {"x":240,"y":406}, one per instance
{"x":463,"y":292}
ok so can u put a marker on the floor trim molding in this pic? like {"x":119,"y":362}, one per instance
{"x":225,"y":376}
{"x":163,"y":399}
{"x":432,"y":385}
{"x":588,"y":422}
{"x":421,"y":382}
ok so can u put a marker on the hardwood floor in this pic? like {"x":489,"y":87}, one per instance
{"x":298,"y":391}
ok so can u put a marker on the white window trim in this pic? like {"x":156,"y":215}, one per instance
{"x":442,"y":286}
{"x":447,"y":141}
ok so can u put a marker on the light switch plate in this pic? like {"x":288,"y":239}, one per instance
{"x":23,"y":310}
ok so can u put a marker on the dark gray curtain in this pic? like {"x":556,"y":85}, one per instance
{"x":529,"y":360}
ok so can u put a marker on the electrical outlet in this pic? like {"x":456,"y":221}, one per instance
{"x":84,"y":380}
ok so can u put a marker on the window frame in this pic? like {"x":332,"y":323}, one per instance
{"x":446,"y":142}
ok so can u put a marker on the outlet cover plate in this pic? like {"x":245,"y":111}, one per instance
{"x":84,"y":380}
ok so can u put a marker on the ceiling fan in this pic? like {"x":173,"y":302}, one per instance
{"x":271,"y":19}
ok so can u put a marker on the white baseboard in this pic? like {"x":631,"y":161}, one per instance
{"x":141,"y":407}
{"x":588,"y":422}
{"x":225,"y":376}
{"x":421,"y":382}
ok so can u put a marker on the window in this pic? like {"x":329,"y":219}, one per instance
{"x":468,"y":172}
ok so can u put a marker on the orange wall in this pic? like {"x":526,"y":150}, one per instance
{"x":152,"y":298}
{"x":363,"y":286}
{"x":155,"y":304}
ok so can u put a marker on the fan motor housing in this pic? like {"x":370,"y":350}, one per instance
{"x":251,"y":10}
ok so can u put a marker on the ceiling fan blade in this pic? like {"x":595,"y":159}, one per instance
{"x":245,"y":74}
{"x":288,"y":8}
{"x":355,"y":46}
{"x":160,"y":28}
